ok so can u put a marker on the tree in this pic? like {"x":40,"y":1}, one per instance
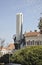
{"x":40,"y":25}
{"x":5,"y":58}
{"x":28,"y":56}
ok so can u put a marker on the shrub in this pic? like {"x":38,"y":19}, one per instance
{"x":31,"y":55}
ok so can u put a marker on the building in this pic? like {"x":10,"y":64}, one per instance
{"x":33,"y":38}
{"x":3,"y":50}
{"x":9,"y":49}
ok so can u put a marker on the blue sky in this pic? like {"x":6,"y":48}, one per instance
{"x":31,"y":10}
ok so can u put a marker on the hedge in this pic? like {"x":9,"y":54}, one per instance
{"x":30,"y":55}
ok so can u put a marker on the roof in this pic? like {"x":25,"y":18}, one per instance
{"x":3,"y":48}
{"x":11,"y":46}
{"x":31,"y":34}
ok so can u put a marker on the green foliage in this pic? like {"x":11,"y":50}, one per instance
{"x":28,"y":56}
{"x":4,"y":59}
{"x":0,"y":54}
{"x":40,"y":23}
{"x":1,"y":63}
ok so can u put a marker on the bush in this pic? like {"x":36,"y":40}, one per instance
{"x":1,"y":63}
{"x":4,"y":58}
{"x":28,"y":56}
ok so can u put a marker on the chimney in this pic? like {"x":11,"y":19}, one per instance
{"x":35,"y":30}
{"x":30,"y":30}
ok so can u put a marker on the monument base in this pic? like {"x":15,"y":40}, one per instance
{"x":17,"y":45}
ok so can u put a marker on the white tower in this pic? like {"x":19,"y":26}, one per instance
{"x":19,"y":23}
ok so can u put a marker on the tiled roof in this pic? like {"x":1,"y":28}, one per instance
{"x":11,"y":46}
{"x":0,"y":48}
{"x":3,"y":48}
{"x":31,"y":34}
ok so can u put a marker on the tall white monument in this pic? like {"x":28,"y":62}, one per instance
{"x":19,"y":26}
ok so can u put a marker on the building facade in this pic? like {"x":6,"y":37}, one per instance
{"x":33,"y":38}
